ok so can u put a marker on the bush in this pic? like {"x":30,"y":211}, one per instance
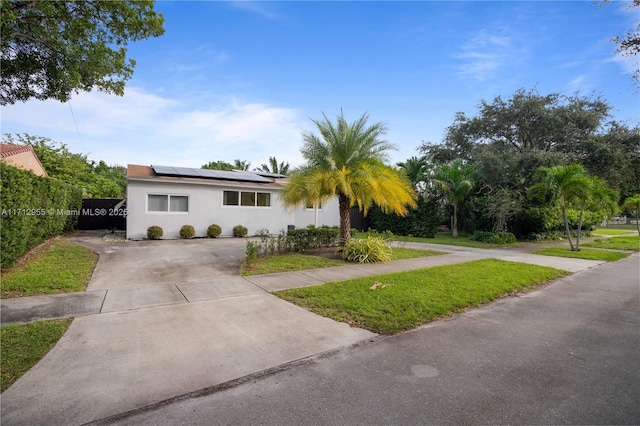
{"x":309,"y":238}
{"x":240,"y":231}
{"x":253,"y":250}
{"x":154,"y":232}
{"x":367,"y":250}
{"x":422,"y":222}
{"x":34,"y":209}
{"x":214,"y":231}
{"x":501,"y":237}
{"x":187,"y":231}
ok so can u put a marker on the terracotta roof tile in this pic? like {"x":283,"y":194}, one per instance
{"x":8,"y":150}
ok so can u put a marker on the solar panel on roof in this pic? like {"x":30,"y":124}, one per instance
{"x":242,"y":176}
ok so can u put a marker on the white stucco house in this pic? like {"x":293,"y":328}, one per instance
{"x":171,"y":197}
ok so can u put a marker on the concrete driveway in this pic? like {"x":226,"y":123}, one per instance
{"x":177,"y":318}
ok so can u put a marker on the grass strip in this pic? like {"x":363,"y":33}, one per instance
{"x":584,"y":253}
{"x":616,"y":243}
{"x":405,"y":300}
{"x":290,"y":262}
{"x":611,"y":232}
{"x":461,"y":241}
{"x":23,"y":345}
{"x":58,"y":267}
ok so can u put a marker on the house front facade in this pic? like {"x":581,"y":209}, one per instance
{"x":171,"y":197}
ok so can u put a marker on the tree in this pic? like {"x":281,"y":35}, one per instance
{"x":632,"y":205}
{"x":559,"y":186}
{"x":417,"y":169}
{"x":599,"y":200}
{"x":454,"y":181}
{"x":347,"y":160}
{"x":241,"y":165}
{"x":218,"y":165}
{"x":51,"y":48}
{"x":95,"y":180}
{"x":282,"y":168}
{"x":629,"y":44}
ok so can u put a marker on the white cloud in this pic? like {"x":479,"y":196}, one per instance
{"x":485,"y":53}
{"x":146,"y":128}
{"x":258,"y":7}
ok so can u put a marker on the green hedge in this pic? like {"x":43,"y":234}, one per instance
{"x":422,"y":222}
{"x":33,"y":209}
{"x":309,"y":238}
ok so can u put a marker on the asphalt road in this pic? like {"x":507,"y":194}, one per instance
{"x":568,"y":353}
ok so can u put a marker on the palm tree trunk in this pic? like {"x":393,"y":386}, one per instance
{"x":454,"y":231}
{"x":345,"y":219}
{"x":566,"y":227}
{"x":579,"y":231}
{"x":637,"y":219}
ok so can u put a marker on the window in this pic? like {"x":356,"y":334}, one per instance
{"x":264,"y":199}
{"x":168,"y":203}
{"x":246,"y":199}
{"x":310,"y":206}
{"x":230,"y":198}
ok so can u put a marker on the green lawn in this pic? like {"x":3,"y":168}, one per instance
{"x":462,"y":240}
{"x":58,"y":267}
{"x":408,"y":299}
{"x":23,"y":345}
{"x":616,"y":243}
{"x":290,"y":262}
{"x":611,"y":232}
{"x":584,"y":253}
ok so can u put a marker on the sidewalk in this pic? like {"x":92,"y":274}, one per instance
{"x":37,"y":308}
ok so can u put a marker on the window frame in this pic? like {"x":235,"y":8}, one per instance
{"x":256,"y":197}
{"x":168,"y":211}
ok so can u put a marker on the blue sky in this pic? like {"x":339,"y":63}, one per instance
{"x":243,"y":79}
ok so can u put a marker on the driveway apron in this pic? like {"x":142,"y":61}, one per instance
{"x":225,"y":328}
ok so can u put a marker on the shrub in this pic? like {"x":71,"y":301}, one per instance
{"x":367,"y":250}
{"x":240,"y":231}
{"x":500,"y":237}
{"x":422,"y":222}
{"x":34,"y":209}
{"x":214,"y":231}
{"x":187,"y":231}
{"x":253,"y":250}
{"x":309,"y":238}
{"x":154,"y":232}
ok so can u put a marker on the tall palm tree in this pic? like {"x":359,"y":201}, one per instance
{"x":561,"y":185}
{"x":416,"y":169}
{"x":454,"y":181}
{"x":282,"y":168}
{"x":633,"y":204}
{"x":241,"y":164}
{"x":347,"y":160}
{"x":598,"y":198}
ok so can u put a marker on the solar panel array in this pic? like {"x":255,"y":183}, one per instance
{"x":239,"y":175}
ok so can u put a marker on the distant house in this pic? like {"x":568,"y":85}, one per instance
{"x":171,"y":197}
{"x":22,"y":157}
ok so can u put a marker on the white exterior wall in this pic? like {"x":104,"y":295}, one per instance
{"x":205,"y":208}
{"x":328,"y":215}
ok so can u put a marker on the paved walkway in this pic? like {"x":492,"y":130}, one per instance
{"x":115,"y":297}
{"x":136,"y":345}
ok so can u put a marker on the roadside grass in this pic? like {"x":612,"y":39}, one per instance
{"x":23,"y":345}
{"x":57,"y":267}
{"x":290,"y":262}
{"x":405,"y":300}
{"x":462,"y":241}
{"x":286,"y":263}
{"x":584,"y":253}
{"x":610,"y":232}
{"x":616,"y":243}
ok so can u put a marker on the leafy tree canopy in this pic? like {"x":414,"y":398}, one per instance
{"x":96,"y":180}
{"x":50,"y":48}
{"x":223,"y":165}
{"x":274,"y":167}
